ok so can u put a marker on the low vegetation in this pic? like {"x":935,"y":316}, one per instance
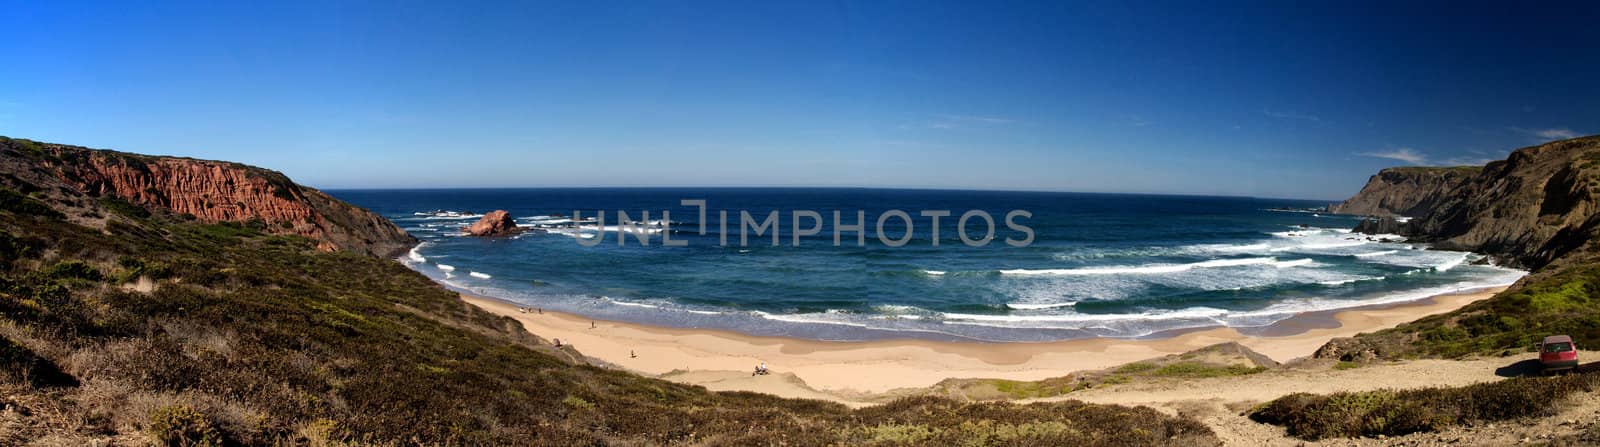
{"x":1222,"y":360}
{"x":1391,"y":413}
{"x":247,"y":338}
{"x":1563,"y":302}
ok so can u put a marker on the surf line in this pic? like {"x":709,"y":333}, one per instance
{"x":768,"y":226}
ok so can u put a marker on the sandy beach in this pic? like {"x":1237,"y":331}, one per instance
{"x":843,"y":371}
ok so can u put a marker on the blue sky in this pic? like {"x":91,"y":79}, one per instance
{"x":1276,"y":99}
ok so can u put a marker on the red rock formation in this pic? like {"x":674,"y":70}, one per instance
{"x":494,"y":223}
{"x":215,"y":191}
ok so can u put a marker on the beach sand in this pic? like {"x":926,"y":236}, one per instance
{"x":853,"y":371}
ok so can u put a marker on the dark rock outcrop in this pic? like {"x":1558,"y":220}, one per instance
{"x":1381,"y":225}
{"x":211,"y":191}
{"x":494,"y":223}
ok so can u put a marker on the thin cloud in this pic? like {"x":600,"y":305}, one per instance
{"x":1290,"y":115}
{"x":1404,"y":154}
{"x":975,"y":119}
{"x":1138,"y":121}
{"x":947,"y":121}
{"x":1551,"y":134}
{"x":1466,"y":161}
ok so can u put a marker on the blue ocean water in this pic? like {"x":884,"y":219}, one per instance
{"x":1100,"y":265}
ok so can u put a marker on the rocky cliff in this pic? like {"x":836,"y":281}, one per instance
{"x":211,"y":191}
{"x":1409,"y":191}
{"x":1527,"y":210}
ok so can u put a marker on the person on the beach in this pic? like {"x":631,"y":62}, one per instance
{"x":761,"y":370}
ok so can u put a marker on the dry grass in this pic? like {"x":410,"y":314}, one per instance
{"x":253,"y":339}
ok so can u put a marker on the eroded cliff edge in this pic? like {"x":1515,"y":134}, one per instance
{"x":210,"y":191}
{"x":1528,"y":210}
{"x":1407,"y":191}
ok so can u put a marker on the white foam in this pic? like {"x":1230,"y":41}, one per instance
{"x":447,"y":267}
{"x":933,"y":272}
{"x":1239,"y":248}
{"x":1376,"y":253}
{"x":1294,"y":263}
{"x":814,"y":318}
{"x":1035,"y":306}
{"x":415,"y":255}
{"x":633,"y":304}
{"x":1143,"y":269}
{"x":1350,"y":280}
{"x":1322,"y":246}
{"x":1453,"y":263}
{"x":1189,"y":313}
{"x":895,"y":308}
{"x":1131,"y":325}
{"x":479,"y":275}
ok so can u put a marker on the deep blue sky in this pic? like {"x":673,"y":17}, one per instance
{"x":1278,"y":99}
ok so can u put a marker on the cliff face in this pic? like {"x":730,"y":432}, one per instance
{"x":211,"y":191}
{"x":1535,"y":206}
{"x":1409,"y":192}
{"x":1529,"y":209}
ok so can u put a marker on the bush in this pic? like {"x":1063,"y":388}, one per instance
{"x":181,"y":426}
{"x":1392,"y":413}
{"x":17,"y":203}
{"x":74,"y":269}
{"x":124,"y":208}
{"x":13,"y":248}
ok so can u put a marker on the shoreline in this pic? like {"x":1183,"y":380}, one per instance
{"x":721,"y":360}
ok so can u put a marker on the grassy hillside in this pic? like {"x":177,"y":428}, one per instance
{"x":1562,"y":300}
{"x":157,"y":328}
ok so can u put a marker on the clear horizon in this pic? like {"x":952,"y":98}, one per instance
{"x":1260,"y":100}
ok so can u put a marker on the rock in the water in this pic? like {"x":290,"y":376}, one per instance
{"x":494,"y":223}
{"x":1381,"y":225}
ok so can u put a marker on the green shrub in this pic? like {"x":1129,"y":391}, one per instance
{"x":1201,"y":370}
{"x":74,"y":269}
{"x":17,"y":203}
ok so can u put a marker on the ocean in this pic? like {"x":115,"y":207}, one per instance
{"x":1098,"y":265}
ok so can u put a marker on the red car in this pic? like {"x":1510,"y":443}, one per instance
{"x":1557,"y":352}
